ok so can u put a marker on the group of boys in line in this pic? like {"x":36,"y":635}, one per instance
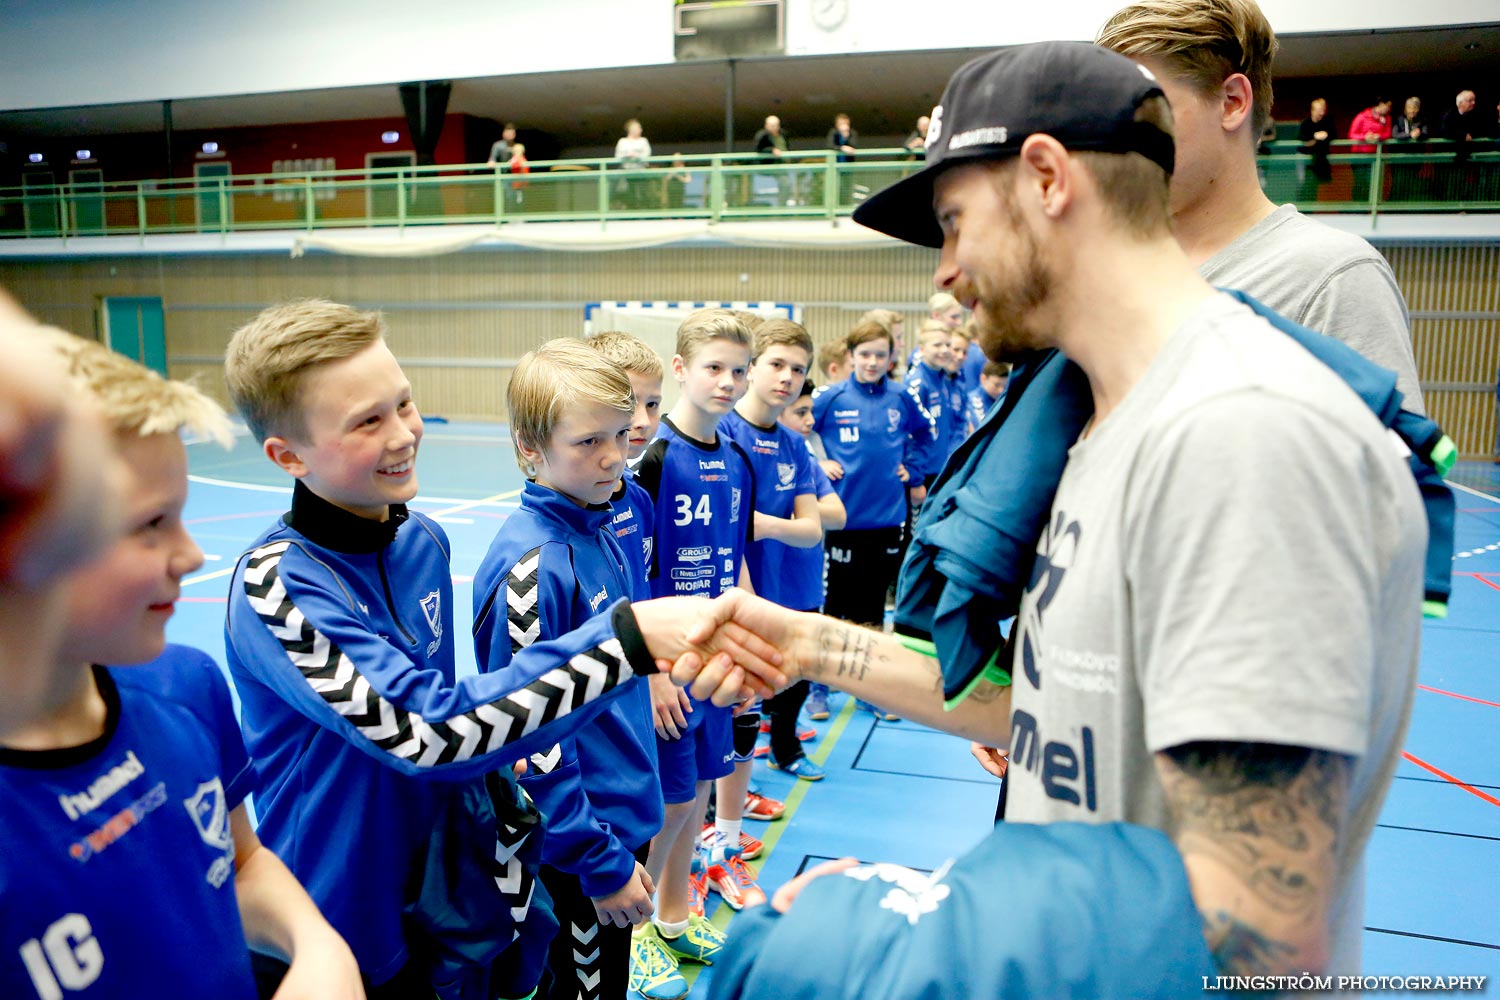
{"x":340,"y":643}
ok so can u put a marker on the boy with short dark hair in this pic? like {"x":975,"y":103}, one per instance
{"x":554,"y":564}
{"x":786,"y":509}
{"x":339,"y":638}
{"x":992,"y":381}
{"x":126,"y":890}
{"x":703,"y":488}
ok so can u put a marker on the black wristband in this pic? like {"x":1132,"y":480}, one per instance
{"x":628,"y":631}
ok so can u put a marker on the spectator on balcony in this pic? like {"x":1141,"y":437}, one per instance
{"x":633,"y":150}
{"x":1411,"y":126}
{"x":842,"y":137}
{"x":1462,"y":124}
{"x":677,"y":182}
{"x":1371,"y":125}
{"x":770,"y":144}
{"x":500,"y":151}
{"x":1316,"y":134}
{"x":518,"y":164}
{"x":917,"y":141}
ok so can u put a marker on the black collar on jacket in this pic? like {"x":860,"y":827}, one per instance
{"x":336,"y":528}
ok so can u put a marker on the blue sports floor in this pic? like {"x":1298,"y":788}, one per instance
{"x":903,"y":793}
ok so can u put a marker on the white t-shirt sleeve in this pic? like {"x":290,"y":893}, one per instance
{"x":1361,"y":304}
{"x":1254,"y":582}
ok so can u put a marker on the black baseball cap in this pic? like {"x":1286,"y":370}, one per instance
{"x":1083,"y":96}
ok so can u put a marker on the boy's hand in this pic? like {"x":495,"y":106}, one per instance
{"x":629,"y":905}
{"x":993,"y":760}
{"x":741,"y":618}
{"x":664,"y":624}
{"x":833,"y":470}
{"x":901,"y":473}
{"x":669,"y":707}
{"x":323,"y":971}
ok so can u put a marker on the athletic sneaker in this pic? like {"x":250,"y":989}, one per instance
{"x":653,"y":967}
{"x":805,"y":735}
{"x":701,"y":942}
{"x":761,"y":807}
{"x":877,"y":711}
{"x":802,"y":767}
{"x":817,"y":702}
{"x":697,"y":885}
{"x":750,"y":847}
{"x":730,"y":877}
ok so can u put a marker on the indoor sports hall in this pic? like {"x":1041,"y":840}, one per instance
{"x":167,"y":171}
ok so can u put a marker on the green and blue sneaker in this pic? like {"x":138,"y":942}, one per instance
{"x":653,"y":967}
{"x":700,"y":943}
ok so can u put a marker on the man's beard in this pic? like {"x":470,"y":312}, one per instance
{"x":1003,"y":315}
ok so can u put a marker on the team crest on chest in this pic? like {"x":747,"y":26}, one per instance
{"x":210,"y":812}
{"x":432,"y":610}
{"x":734,"y":504}
{"x":786,"y":472}
{"x":894,"y":416}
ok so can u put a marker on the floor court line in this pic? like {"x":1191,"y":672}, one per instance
{"x":1440,"y":833}
{"x":286,"y":490}
{"x":1439,"y":781}
{"x":1448,"y":777}
{"x":1461,"y":697}
{"x":202,"y":577}
{"x":1474,"y":492}
{"x":1434,"y":937}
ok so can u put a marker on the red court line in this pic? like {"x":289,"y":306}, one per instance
{"x":1424,"y":687}
{"x":1483,"y":578}
{"x":1448,"y":777}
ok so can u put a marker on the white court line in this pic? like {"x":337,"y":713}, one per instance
{"x":461,"y":504}
{"x":210,"y":558}
{"x":451,"y":520}
{"x":201,"y":577}
{"x":490,"y":500}
{"x":1482,"y":496}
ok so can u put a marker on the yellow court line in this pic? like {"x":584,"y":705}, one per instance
{"x":477,"y":503}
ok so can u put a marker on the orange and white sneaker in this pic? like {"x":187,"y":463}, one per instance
{"x":761,"y":807}
{"x":697,"y":885}
{"x":732,"y":878}
{"x":750,"y":847}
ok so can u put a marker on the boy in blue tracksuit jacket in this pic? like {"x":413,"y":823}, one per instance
{"x":933,"y":386}
{"x":128,"y":864}
{"x":882,"y":445}
{"x":340,"y":642}
{"x":555,"y":564}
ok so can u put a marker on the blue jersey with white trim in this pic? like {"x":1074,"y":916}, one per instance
{"x":870,"y":429}
{"x":552,"y":567}
{"x":704,"y":496}
{"x":939,"y":394}
{"x":803,"y":568}
{"x":116,"y":857}
{"x":340,"y":642}
{"x":783,"y":472}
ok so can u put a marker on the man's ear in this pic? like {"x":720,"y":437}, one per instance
{"x":284,"y":456}
{"x":1047,"y":170}
{"x":1237,"y":103}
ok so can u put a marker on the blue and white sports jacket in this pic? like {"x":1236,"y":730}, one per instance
{"x":553,"y":566}
{"x":634,"y":525}
{"x":340,"y":641}
{"x":869,"y":429}
{"x":941,"y":396}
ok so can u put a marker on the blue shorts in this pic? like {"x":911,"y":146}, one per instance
{"x":704,"y":753}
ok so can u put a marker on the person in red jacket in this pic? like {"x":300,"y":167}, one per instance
{"x":1371,"y":125}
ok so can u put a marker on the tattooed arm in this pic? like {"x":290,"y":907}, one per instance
{"x":867,"y":664}
{"x":1258,"y":826}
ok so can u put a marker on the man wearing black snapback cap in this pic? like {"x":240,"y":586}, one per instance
{"x":1176,"y":665}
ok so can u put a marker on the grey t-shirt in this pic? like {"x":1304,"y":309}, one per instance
{"x":1327,"y":280}
{"x":1234,"y":554}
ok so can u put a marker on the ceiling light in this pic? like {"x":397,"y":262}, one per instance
{"x":83,"y":154}
{"x":210,"y":147}
{"x":390,"y":137}
{"x":34,"y":157}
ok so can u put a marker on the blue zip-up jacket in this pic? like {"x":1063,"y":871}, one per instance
{"x":553,"y":566}
{"x":1031,"y":913}
{"x":783,"y":471}
{"x":634,"y":525}
{"x":939,"y":394}
{"x":340,"y":642}
{"x":869,"y":429}
{"x":975,"y":541}
{"x":979,"y":406}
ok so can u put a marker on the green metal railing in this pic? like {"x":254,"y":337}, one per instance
{"x":814,"y":185}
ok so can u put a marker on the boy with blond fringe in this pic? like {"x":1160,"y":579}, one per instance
{"x":340,"y":642}
{"x":703,"y":489}
{"x":131,"y":894}
{"x":555,"y":564}
{"x":635,"y":514}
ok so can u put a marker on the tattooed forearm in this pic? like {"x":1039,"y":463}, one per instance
{"x":1258,"y":827}
{"x":846,"y":652}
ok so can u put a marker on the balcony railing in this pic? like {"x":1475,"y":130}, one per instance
{"x":1420,"y":177}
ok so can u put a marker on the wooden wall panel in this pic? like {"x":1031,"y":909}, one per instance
{"x":481,"y":308}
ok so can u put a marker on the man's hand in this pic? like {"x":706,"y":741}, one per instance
{"x":833,"y":470}
{"x":670,"y":706}
{"x":629,"y":905}
{"x":992,"y":759}
{"x":918,"y":494}
{"x":753,"y":662}
{"x":787,"y":894}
